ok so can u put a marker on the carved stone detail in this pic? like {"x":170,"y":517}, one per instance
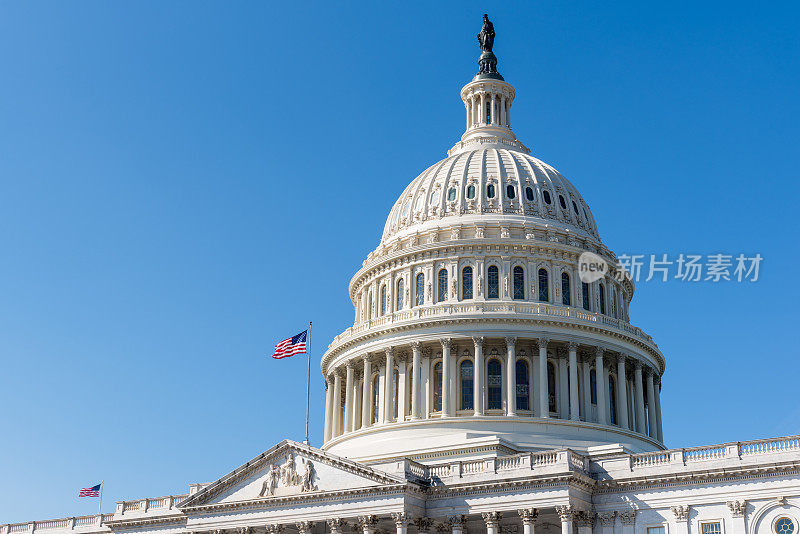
{"x":492,"y":519}
{"x":336,"y":525}
{"x":274,"y":529}
{"x":607,"y":518}
{"x":367,"y":522}
{"x":584,"y":518}
{"x":400,"y":518}
{"x":304,"y":527}
{"x":737,"y":508}
{"x":681,"y":512}
{"x":566,"y":512}
{"x":528,"y":515}
{"x":457,"y":521}
{"x":423,"y":524}
{"x":627,"y":517}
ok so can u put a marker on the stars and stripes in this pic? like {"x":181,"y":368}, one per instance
{"x":291,"y":346}
{"x":94,"y":491}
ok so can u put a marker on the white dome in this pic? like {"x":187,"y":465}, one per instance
{"x":488,"y":185}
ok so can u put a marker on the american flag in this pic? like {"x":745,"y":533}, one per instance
{"x":291,"y":346}
{"x":94,"y":491}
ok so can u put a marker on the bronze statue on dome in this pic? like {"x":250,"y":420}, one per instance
{"x":486,"y":35}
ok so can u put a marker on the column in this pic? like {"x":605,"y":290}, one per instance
{"x":328,"y":407}
{"x":494,"y":109}
{"x":388,"y":403}
{"x":738,"y":510}
{"x":336,"y":525}
{"x":368,"y":523}
{"x":482,"y":111}
{"x":447,"y":371}
{"x":415,"y":388}
{"x":659,"y":429}
{"x":511,"y":376}
{"x":622,"y":392}
{"x":356,"y":410}
{"x":336,"y":428}
{"x":651,"y":405}
{"x":366,"y":394}
{"x":602,"y":386}
{"x":563,"y":384}
{"x":400,"y":522}
{"x":681,"y":519}
{"x":426,"y":402}
{"x":508,"y":114}
{"x":348,"y":399}
{"x":587,"y":390}
{"x":467,"y":105}
{"x":528,"y":516}
{"x":566,"y":514}
{"x":456,"y":523}
{"x":544,"y":402}
{"x":492,"y":520}
{"x":574,"y":403}
{"x":638,"y":399}
{"x":477,"y":385}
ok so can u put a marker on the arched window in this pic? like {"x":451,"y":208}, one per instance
{"x":529,"y":193}
{"x":612,"y":400}
{"x":519,"y":283}
{"x":593,"y":386}
{"x":546,"y":195}
{"x":442,"y":290}
{"x":490,"y":191}
{"x":523,"y":391}
{"x":562,"y":202}
{"x":585,"y":293}
{"x":551,"y":388}
{"x":395,"y":391}
{"x":376,"y":397}
{"x":470,"y":191}
{"x":493,"y":283}
{"x":399,"y":305}
{"x":437,"y":387}
{"x":467,"y":382}
{"x":566,"y":297}
{"x":383,"y":299}
{"x":494,"y":381}
{"x":544,"y":293}
{"x":510,"y":192}
{"x":420,"y":289}
{"x":466,"y":282}
{"x":602,"y":299}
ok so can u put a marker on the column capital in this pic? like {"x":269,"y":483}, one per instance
{"x":637,"y":364}
{"x":607,"y":518}
{"x":274,"y":529}
{"x":400,"y":519}
{"x":681,"y":512}
{"x":478,"y":340}
{"x":737,"y":508}
{"x":423,"y":524}
{"x":426,"y":352}
{"x":457,"y":521}
{"x":528,"y":515}
{"x":244,"y":530}
{"x":584,"y":518}
{"x":446,"y":342}
{"x":511,"y":341}
{"x":304,"y":527}
{"x":561,"y":352}
{"x":543,"y":341}
{"x":367,"y":521}
{"x":389,"y":351}
{"x":415,"y":345}
{"x":627,"y":517}
{"x":573,"y":346}
{"x":366,"y":358}
{"x":492,"y":519}
{"x":566,"y":512}
{"x":350,"y":365}
{"x":336,"y":524}
{"x":598,"y":351}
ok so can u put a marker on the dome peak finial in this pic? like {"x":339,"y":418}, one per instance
{"x":487,"y":64}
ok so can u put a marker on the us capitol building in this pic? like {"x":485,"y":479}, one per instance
{"x":483,"y":387}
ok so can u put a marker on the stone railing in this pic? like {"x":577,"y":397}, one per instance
{"x":537,"y":309}
{"x":159,"y":504}
{"x":740,"y":450}
{"x":85,"y":523}
{"x":566,"y":460}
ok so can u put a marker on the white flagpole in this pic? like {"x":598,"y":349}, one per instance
{"x":308,"y":379}
{"x":100,"y":505}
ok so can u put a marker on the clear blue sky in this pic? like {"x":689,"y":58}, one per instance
{"x":183,"y":184}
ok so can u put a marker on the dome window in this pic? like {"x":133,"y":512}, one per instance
{"x":575,"y":208}
{"x":471,"y":192}
{"x":529,"y":193}
{"x":493,"y":283}
{"x":435,"y":197}
{"x":546,"y":195}
{"x":490,"y":191}
{"x":451,"y":194}
{"x":510,"y":193}
{"x":562,"y":202}
{"x":406,"y":208}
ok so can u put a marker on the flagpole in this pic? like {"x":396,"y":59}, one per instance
{"x":100,"y":505}
{"x":308,"y":380}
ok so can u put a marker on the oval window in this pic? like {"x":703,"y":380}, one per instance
{"x":451,"y":193}
{"x":435,"y":197}
{"x":562,"y":202}
{"x":546,"y":195}
{"x":490,"y":191}
{"x":575,"y":207}
{"x":510,"y":193}
{"x":471,"y":192}
{"x":529,"y":193}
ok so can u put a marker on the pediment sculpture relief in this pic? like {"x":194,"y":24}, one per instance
{"x":287,"y":479}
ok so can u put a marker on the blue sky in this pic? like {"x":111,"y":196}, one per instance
{"x":184,"y":184}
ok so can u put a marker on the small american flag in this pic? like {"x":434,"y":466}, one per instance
{"x":291,"y":346}
{"x":94,"y":491}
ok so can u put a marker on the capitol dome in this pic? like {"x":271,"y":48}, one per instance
{"x":473,"y":331}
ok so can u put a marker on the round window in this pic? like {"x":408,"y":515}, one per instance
{"x":510,"y":193}
{"x":451,"y":193}
{"x":546,"y":195}
{"x":490,"y":191}
{"x":562,"y":202}
{"x":471,"y":192}
{"x":529,"y":193}
{"x":784,"y":525}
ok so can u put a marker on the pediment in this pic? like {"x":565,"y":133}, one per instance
{"x":289,"y":469}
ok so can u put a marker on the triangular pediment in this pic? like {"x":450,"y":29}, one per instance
{"x":287,"y":470}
